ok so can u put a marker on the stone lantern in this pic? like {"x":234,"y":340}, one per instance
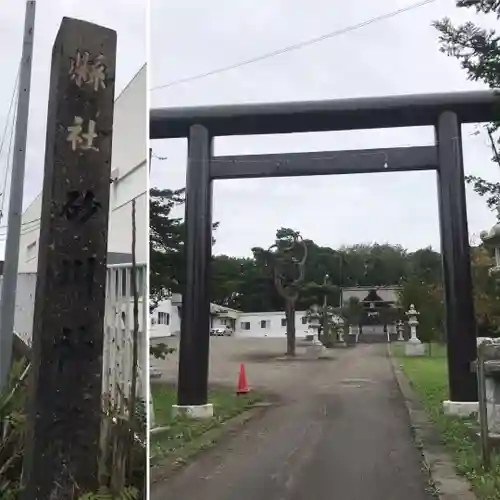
{"x":315,"y":349}
{"x":491,"y":239}
{"x":315,"y":321}
{"x":414,"y":346}
{"x":400,"y":326}
{"x":340,"y":325}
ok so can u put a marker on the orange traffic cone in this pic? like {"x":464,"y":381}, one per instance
{"x":242,"y":381}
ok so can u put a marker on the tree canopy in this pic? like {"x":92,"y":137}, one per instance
{"x":478,"y":51}
{"x":244,"y":284}
{"x":166,"y":241}
{"x":285,"y":263}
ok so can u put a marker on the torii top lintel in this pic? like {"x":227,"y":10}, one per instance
{"x":316,"y":116}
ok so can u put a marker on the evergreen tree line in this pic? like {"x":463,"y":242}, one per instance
{"x":243,"y":283}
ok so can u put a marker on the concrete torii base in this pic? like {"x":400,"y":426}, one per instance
{"x":460,"y":408}
{"x":467,"y":408}
{"x":197,"y":412}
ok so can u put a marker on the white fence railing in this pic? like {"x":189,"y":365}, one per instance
{"x":119,"y":333}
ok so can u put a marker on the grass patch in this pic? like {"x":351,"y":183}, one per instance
{"x":429,"y":377}
{"x":185,"y":432}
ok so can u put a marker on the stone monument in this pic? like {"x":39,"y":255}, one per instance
{"x":64,"y":421}
{"x":490,"y":349}
{"x":414,"y":346}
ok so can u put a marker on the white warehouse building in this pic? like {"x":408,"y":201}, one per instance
{"x":166,"y":318}
{"x":166,"y":321}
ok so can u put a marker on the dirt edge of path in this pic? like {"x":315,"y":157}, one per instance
{"x":446,"y":484}
{"x":165,"y":469}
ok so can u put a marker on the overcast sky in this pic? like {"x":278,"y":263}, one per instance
{"x":128,"y":18}
{"x":395,"y":56}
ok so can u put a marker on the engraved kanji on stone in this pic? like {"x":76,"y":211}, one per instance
{"x":78,"y":272}
{"x":80,"y":206}
{"x":79,"y":138}
{"x":84,"y":71}
{"x":68,"y":344}
{"x":97,"y":74}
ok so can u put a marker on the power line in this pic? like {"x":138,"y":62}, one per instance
{"x":31,"y":223}
{"x":8,"y":161}
{"x":296,"y":46}
{"x":12,"y":100}
{"x":7,"y":166}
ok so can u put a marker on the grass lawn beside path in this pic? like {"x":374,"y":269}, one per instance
{"x":183,"y":437}
{"x":429,"y":377}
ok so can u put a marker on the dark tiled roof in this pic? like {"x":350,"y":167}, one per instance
{"x":372,"y":296}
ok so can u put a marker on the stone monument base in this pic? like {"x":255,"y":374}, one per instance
{"x":460,"y":408}
{"x":193,"y":411}
{"x":315,"y":350}
{"x":414,"y":348}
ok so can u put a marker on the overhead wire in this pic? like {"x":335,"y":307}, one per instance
{"x":295,"y":46}
{"x":12,"y":100}
{"x":8,"y":166}
{"x":11,"y":122}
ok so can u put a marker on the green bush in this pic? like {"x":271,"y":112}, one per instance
{"x":12,"y":431}
{"x":120,"y":432}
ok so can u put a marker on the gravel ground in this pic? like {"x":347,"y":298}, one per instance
{"x":264,"y":368}
{"x":340,"y":431}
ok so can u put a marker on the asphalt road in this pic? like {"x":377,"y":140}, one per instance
{"x":341,"y":432}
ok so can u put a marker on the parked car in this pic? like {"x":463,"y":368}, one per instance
{"x":221,"y":331}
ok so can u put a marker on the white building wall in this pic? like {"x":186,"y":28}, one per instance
{"x":165,"y":321}
{"x":28,"y":242}
{"x":160,"y":330}
{"x":216,"y":322}
{"x":129,"y":175}
{"x":273,"y":325}
{"x":25,"y":305}
{"x":129,"y":170}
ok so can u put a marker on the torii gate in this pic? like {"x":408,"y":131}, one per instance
{"x":445,"y":112}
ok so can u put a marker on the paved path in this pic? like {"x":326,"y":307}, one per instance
{"x":342,"y":433}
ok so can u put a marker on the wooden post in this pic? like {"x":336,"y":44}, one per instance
{"x":62,"y":445}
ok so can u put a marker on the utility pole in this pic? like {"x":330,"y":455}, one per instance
{"x":9,"y":284}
